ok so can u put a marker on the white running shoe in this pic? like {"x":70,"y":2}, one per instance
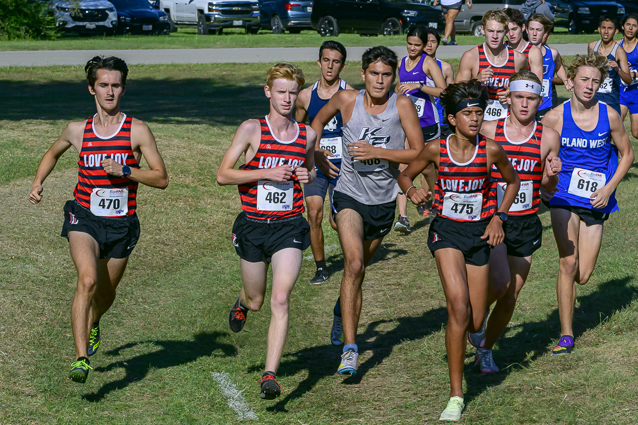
{"x":336,"y":335}
{"x":452,"y":412}
{"x":478,"y":339}
{"x":485,"y":361}
{"x":348,"y":363}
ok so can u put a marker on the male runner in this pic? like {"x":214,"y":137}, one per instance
{"x":629,"y":92}
{"x":587,"y":182}
{"x":533,"y":151}
{"x":332,"y":60}
{"x":492,"y":63}
{"x":100,"y":223}
{"x":515,"y":30}
{"x":376,"y":123}
{"x":609,"y":91}
{"x":271,"y":229}
{"x":434,"y":40}
{"x":538,"y":29}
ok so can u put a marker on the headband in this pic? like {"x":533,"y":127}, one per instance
{"x":526,"y":86}
{"x":466,"y":103}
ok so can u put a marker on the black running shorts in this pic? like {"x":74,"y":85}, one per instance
{"x":590,"y":217}
{"x":523,"y":234}
{"x":257,"y":240}
{"x":377,"y":219}
{"x":431,"y":132}
{"x":116,"y":237}
{"x":463,"y":236}
{"x":455,"y":6}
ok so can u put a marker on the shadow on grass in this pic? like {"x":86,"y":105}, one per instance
{"x":387,"y":251}
{"x":321,"y":361}
{"x":534,"y":339}
{"x":173,"y":353}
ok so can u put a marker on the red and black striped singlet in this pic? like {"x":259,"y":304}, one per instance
{"x":274,"y":153}
{"x":525,"y":157}
{"x":501,"y":78}
{"x":458,"y":180}
{"x":91,"y":175}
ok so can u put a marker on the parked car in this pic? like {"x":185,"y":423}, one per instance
{"x":213,"y":16}
{"x":387,"y":17}
{"x":469,"y":20}
{"x":282,"y":15}
{"x":631,"y":6}
{"x":139,"y":17}
{"x":85,"y":17}
{"x":583,"y":15}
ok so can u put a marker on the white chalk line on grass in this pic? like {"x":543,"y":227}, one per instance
{"x":327,"y":250}
{"x":235,"y":399}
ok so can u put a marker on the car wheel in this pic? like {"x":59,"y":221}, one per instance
{"x":392,"y":26}
{"x":572,"y":27}
{"x":328,"y":27}
{"x":252,"y":30}
{"x":476,"y":28}
{"x":171,"y":23}
{"x":294,"y":30}
{"x":201,"y":24}
{"x":276,"y":25}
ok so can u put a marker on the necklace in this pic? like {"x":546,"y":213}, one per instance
{"x":519,"y":130}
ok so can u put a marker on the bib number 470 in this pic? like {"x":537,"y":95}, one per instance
{"x":108,"y":204}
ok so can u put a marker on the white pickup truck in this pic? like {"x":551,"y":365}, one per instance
{"x":212,"y":16}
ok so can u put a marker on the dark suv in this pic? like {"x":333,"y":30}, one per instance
{"x":387,"y":17}
{"x":583,"y":15}
{"x":280,"y":15}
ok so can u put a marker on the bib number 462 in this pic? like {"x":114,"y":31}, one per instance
{"x":276,"y":197}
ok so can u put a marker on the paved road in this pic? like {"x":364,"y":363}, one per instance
{"x":239,"y":55}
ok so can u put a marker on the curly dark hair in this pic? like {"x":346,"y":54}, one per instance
{"x":110,"y":63}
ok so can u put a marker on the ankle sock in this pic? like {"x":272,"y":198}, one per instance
{"x":352,"y":347}
{"x":321,"y":264}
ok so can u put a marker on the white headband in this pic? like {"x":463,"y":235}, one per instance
{"x":525,"y":85}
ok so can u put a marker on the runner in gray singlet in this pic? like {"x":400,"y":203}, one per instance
{"x":376,"y":124}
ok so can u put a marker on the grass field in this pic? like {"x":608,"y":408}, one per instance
{"x":166,"y":343}
{"x":187,"y":38}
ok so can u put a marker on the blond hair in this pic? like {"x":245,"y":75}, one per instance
{"x":525,"y":74}
{"x":496,"y":15}
{"x":286,"y":71}
{"x":543,"y":20}
{"x":594,"y":60}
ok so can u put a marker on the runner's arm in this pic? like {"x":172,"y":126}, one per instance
{"x":306,"y":173}
{"x":327,"y":113}
{"x":466,"y":66}
{"x":428,"y":155}
{"x":142,"y":138}
{"x":559,"y":70}
{"x":448,"y":72}
{"x":488,"y":129}
{"x":622,"y":65}
{"x":301,"y":106}
{"x":72,"y":133}
{"x":551,"y":163}
{"x":248,"y":135}
{"x":431,"y":68}
{"x":536,"y":62}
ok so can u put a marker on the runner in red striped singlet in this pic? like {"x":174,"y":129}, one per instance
{"x":492,"y":63}
{"x":468,"y":221}
{"x":279,"y":155}
{"x":533,"y":151}
{"x":515,"y":30}
{"x":100,"y":223}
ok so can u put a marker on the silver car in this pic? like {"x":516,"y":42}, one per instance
{"x":85,"y":17}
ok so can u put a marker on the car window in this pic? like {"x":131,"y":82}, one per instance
{"x":131,"y":4}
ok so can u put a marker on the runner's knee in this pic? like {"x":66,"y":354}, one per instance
{"x":87,"y":283}
{"x":254,"y":303}
{"x":459,"y":312}
{"x":569,"y":265}
{"x":279,"y":302}
{"x":354,"y":267}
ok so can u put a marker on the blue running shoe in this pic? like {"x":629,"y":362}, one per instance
{"x":565,"y":346}
{"x":80,"y":370}
{"x":94,"y":339}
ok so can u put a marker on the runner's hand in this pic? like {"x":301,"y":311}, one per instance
{"x":36,"y":193}
{"x":325,"y":152}
{"x":494,"y":232}
{"x":485,"y":74}
{"x":420,"y":196}
{"x":112,"y":167}
{"x":553,"y":165}
{"x":502,"y":96}
{"x":323,"y":164}
{"x":547,"y":196}
{"x":302,"y":174}
{"x":280,"y":174}
{"x":600,"y":198}
{"x":405,"y":88}
{"x":362,"y":151}
{"x":569,"y":85}
{"x":614,"y":65}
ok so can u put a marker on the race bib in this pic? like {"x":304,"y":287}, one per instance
{"x":495,"y":110}
{"x":371,"y":165}
{"x":524,"y":197}
{"x":332,"y":145}
{"x":584,"y":182}
{"x":545,"y":89}
{"x":463,"y":206}
{"x":109,"y":202}
{"x":419,"y":104}
{"x":275,"y":196}
{"x":606,"y":86}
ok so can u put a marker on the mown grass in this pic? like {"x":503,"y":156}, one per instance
{"x":167,"y":331}
{"x":187,"y":38}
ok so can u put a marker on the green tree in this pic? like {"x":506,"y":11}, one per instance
{"x":25,"y":20}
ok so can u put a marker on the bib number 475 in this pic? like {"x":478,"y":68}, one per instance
{"x":463,"y":209}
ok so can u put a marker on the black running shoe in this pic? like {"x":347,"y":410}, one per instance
{"x":270,"y":388}
{"x":80,"y":370}
{"x":402,"y":225}
{"x":237,"y":317}
{"x":94,"y":339}
{"x":320,"y":277}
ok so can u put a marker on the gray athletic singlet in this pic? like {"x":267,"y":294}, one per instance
{"x":371,"y":182}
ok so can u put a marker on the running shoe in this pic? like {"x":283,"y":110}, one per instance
{"x":565,"y":345}
{"x":348,"y":363}
{"x":320,"y":277}
{"x":237,"y":317}
{"x":452,"y":412}
{"x":444,"y":41}
{"x":423,"y":210}
{"x":336,"y":335}
{"x":478,"y":339}
{"x":80,"y":370}
{"x":452,"y":43}
{"x":94,"y":339}
{"x":485,"y":361}
{"x":402,"y":225}
{"x":270,"y":388}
